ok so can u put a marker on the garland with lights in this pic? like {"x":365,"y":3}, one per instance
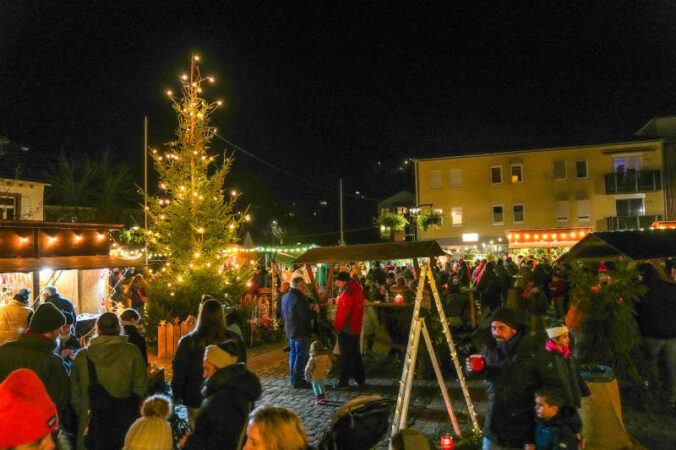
{"x":192,"y":222}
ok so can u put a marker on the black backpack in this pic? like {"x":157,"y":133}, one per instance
{"x":109,"y":417}
{"x":358,"y":424}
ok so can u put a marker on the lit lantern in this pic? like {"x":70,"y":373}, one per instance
{"x":446,"y":443}
{"x":399,"y":299}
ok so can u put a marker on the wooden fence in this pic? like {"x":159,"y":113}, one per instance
{"x":168,"y":335}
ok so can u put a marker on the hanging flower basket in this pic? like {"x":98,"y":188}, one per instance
{"x":430,"y":220}
{"x":389,"y":222}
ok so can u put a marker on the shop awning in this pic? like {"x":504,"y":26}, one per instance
{"x":371,"y":252}
{"x":634,"y":245}
{"x":64,"y":263}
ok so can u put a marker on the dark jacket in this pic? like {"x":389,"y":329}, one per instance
{"x":136,"y":339}
{"x":513,"y":372}
{"x":657,"y":310}
{"x":64,"y":305}
{"x":296,"y":313}
{"x":558,"y":433}
{"x":187,"y":380}
{"x":489,"y":290}
{"x":568,"y":373}
{"x":229,"y":396}
{"x":35,"y":352}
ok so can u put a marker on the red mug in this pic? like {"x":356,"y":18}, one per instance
{"x":476,"y":363}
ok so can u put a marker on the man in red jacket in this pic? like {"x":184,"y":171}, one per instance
{"x":347,"y":325}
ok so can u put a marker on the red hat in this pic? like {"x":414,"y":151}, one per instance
{"x":27,"y":413}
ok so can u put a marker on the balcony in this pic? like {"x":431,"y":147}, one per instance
{"x":616,"y":223}
{"x":633,"y":181}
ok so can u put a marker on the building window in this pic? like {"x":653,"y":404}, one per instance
{"x":581,"y":169}
{"x":497,"y":215}
{"x":401,"y":210}
{"x":560,"y":170}
{"x":456,"y":215}
{"x":624,"y":163}
{"x":562,"y":211}
{"x":518,"y":213}
{"x":583,"y":210}
{"x":454,"y":178}
{"x":435,"y":179}
{"x":496,"y":174}
{"x":629,"y":207}
{"x":517,"y":173}
{"x":9,"y":206}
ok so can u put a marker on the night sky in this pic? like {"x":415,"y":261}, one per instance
{"x":329,"y":89}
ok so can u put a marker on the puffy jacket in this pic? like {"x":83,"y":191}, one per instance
{"x":350,"y":312}
{"x":513,"y":372}
{"x":14,"y":318}
{"x":318,"y":367}
{"x":296,"y":314}
{"x":229,"y":396}
{"x":558,"y":433}
{"x":36,"y":352}
{"x":120,"y":370}
{"x":187,"y":379}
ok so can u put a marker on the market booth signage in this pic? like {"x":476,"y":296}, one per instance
{"x":70,"y":255}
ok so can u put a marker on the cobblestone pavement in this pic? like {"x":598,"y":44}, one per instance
{"x":427,"y":412}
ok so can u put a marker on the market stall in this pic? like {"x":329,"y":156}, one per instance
{"x":72,"y":256}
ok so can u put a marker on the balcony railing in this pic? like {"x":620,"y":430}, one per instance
{"x":633,"y":181}
{"x":614,"y":223}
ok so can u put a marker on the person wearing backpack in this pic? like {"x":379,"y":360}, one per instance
{"x":108,"y":381}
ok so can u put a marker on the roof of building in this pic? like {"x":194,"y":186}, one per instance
{"x":635,"y":245}
{"x":19,"y":163}
{"x":371,"y":252}
{"x":540,"y":146}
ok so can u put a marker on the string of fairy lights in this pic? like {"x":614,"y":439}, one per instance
{"x":118,"y":250}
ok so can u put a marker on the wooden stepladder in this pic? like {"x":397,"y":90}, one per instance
{"x":406,"y":384}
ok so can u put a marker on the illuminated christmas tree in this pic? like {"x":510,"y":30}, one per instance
{"x":192,"y":219}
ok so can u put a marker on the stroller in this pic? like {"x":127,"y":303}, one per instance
{"x":358,"y":424}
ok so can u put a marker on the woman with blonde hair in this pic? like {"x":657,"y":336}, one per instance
{"x":275,"y":428}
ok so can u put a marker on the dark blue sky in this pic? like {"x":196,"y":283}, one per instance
{"x":328,"y":89}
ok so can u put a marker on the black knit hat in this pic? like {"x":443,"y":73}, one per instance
{"x":343,"y":276}
{"x":507,"y":316}
{"x":47,"y":318}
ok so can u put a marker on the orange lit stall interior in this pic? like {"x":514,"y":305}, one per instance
{"x":74,"y":257}
{"x":664,"y":225}
{"x":545,"y":237}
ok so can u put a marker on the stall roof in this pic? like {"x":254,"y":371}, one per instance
{"x":636,"y":245}
{"x":371,"y":252}
{"x":63,"y":263}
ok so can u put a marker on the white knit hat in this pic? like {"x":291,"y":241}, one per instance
{"x":149,"y":433}
{"x":557,"y":331}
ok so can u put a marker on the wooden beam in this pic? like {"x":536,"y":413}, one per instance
{"x":416,"y":268}
{"x":313,"y":281}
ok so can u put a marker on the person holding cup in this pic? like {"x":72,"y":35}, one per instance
{"x":514,"y":367}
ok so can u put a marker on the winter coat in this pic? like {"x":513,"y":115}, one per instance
{"x":36,"y":352}
{"x":513,"y":372}
{"x":187,"y":379}
{"x":14,"y":317}
{"x":657,"y":310}
{"x":134,"y":337}
{"x":229,"y":396}
{"x":568,"y":374}
{"x":119,"y":368}
{"x":558,"y":433}
{"x":489,"y":290}
{"x":318,"y":367}
{"x":296,"y":313}
{"x":64,"y":305}
{"x":350,"y":311}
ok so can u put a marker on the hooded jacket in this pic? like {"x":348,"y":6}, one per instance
{"x":14,"y":317}
{"x":350,"y":311}
{"x":36,"y":352}
{"x":558,"y":433}
{"x":229,"y":396}
{"x":120,"y":370}
{"x":513,"y":372}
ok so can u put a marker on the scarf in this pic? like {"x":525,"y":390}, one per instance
{"x":551,"y":346}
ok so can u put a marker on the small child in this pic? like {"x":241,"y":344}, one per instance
{"x":555,"y":422}
{"x":151,"y":430}
{"x":317,"y":369}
